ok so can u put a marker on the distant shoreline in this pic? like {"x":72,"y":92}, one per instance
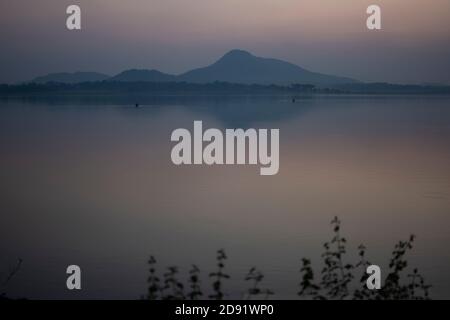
{"x":120,"y":89}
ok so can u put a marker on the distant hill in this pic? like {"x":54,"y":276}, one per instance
{"x":75,"y":77}
{"x":134,"y":75}
{"x":238,"y":66}
{"x":237,"y":71}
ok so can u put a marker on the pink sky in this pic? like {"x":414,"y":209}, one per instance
{"x":173,"y":36}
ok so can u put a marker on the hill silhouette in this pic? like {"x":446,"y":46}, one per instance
{"x":236,"y":66}
{"x":74,"y":77}
{"x":135,"y":75}
{"x":237,"y":71}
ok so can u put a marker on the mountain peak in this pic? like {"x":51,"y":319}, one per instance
{"x":237,"y":53}
{"x":240,"y":66}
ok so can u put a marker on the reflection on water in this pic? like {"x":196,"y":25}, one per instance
{"x":93,"y":184}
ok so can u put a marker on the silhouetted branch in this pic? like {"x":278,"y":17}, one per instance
{"x":12,"y":272}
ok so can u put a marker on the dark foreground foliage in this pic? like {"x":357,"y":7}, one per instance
{"x":338,"y":280}
{"x":6,"y":279}
{"x":338,"y":277}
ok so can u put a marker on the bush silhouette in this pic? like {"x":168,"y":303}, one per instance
{"x":337,"y":276}
{"x":338,"y":280}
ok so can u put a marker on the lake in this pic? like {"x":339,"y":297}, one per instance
{"x":91,"y":182}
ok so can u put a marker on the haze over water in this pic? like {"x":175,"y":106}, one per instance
{"x":93,"y":184}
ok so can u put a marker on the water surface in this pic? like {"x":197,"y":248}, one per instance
{"x":92,"y":183}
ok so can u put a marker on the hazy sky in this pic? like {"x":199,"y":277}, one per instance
{"x":174,"y":36}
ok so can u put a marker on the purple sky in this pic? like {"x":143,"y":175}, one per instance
{"x":174,"y":36}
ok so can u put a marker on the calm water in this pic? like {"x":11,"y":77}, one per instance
{"x":91,"y":183}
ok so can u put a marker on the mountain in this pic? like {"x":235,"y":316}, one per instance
{"x":240,"y":66}
{"x":75,"y":77}
{"x":143,"y":75}
{"x":236,"y":66}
